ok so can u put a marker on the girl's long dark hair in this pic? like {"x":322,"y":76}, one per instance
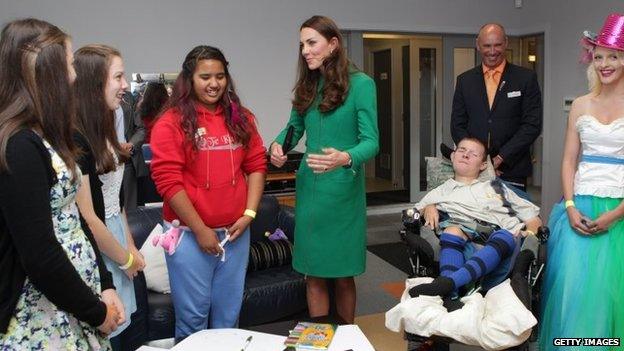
{"x":35,"y":91}
{"x":183,"y":98}
{"x":95,"y":120}
{"x":336,"y":71}
{"x":154,"y":98}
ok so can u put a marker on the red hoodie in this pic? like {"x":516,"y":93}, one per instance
{"x":214,"y":175}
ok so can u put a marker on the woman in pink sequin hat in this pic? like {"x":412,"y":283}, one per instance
{"x":584,"y":281}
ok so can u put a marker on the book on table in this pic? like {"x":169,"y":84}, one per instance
{"x":311,"y":336}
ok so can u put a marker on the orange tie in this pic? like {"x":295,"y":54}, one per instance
{"x":491,"y":85}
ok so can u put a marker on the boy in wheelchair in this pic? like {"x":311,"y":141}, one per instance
{"x":467,"y":253}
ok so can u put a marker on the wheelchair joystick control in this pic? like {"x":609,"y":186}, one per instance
{"x":412,"y":214}
{"x":411,"y":219}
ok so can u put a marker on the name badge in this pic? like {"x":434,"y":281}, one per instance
{"x":513,"y":94}
{"x":200,"y":132}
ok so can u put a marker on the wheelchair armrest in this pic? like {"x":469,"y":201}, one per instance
{"x":531,"y":243}
{"x":536,"y":243}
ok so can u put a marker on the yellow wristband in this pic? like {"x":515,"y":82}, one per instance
{"x":129,"y":263}
{"x":250,"y":213}
{"x":529,"y":232}
{"x":569,"y":203}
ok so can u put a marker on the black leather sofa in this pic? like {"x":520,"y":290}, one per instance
{"x":270,"y":294}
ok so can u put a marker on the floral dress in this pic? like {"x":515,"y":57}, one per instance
{"x":37,"y":324}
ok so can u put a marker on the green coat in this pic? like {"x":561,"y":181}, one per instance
{"x":330,"y":209}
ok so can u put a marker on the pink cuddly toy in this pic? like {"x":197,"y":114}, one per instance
{"x":169,"y":240}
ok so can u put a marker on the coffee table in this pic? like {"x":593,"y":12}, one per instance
{"x":348,"y":337}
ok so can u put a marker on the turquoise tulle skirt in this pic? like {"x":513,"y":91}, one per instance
{"x":583,"y":292}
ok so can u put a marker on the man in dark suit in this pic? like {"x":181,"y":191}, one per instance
{"x":134,"y":135}
{"x":500,"y":104}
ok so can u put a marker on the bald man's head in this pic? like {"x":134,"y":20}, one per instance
{"x":492,"y":44}
{"x":492,"y":26}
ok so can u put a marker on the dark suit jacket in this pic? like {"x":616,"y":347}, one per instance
{"x":135,"y":134}
{"x":513,"y":123}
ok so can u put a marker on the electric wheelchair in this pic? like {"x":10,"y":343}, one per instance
{"x":423,"y":251}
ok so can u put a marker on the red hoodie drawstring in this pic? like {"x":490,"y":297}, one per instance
{"x":232,"y":160}
{"x":208,"y":167}
{"x":208,"y":161}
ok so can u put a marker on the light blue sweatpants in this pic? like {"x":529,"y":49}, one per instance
{"x":206,"y":292}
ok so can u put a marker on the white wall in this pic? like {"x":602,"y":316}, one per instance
{"x":260,"y":39}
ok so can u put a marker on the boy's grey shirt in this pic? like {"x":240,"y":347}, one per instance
{"x":479,"y":200}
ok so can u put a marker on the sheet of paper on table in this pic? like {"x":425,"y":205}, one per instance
{"x":348,"y":337}
{"x":230,"y":339}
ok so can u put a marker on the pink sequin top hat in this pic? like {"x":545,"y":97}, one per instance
{"x":611,"y":35}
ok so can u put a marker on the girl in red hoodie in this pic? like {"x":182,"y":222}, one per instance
{"x":209,"y":166}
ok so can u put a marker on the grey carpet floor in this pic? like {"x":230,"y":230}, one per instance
{"x":371,"y":298}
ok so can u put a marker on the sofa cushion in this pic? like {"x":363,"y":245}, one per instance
{"x":156,"y":274}
{"x":266,"y":218}
{"x":141,"y":221}
{"x":265,"y":254}
{"x":272,"y":294}
{"x":160,"y":316}
{"x":286,"y":222}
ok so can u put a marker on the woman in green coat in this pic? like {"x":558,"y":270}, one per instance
{"x":336,"y":107}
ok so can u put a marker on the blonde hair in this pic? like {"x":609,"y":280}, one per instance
{"x":593,"y":82}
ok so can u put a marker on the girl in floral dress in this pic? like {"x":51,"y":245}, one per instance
{"x":50,"y":280}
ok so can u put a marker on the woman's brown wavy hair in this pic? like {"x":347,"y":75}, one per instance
{"x":35,"y":91}
{"x":335,"y":67}
{"x":94,"y":119}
